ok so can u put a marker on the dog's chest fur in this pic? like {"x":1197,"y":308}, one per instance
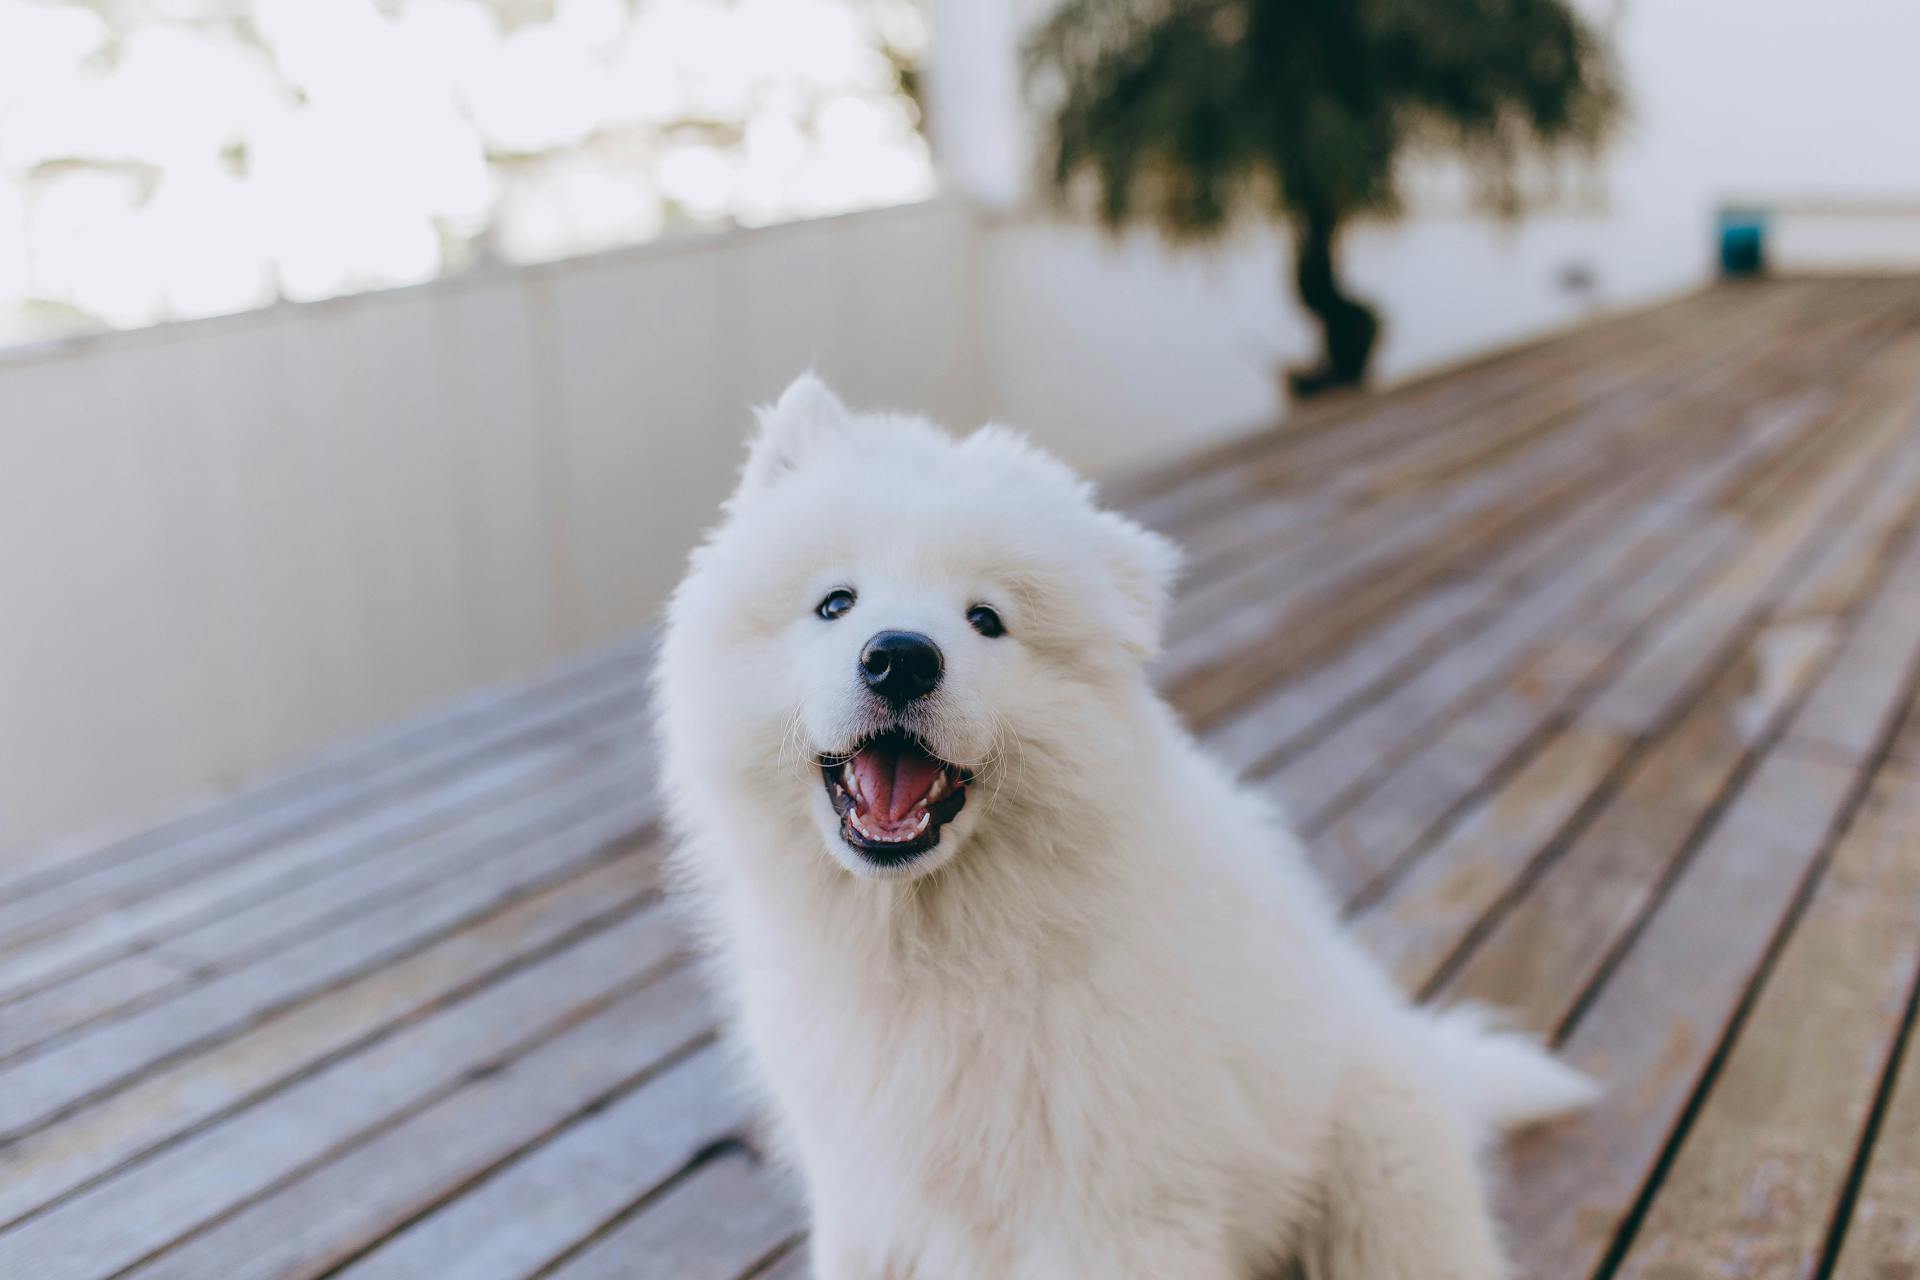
{"x":980,"y":1084}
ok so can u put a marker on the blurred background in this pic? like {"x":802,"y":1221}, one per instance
{"x":358,"y":353}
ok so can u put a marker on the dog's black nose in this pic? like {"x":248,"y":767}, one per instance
{"x":901,"y":666}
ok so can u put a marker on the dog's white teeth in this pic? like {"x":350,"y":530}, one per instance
{"x":889,"y":836}
{"x":936,"y":792}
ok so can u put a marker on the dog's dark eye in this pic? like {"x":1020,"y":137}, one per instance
{"x":838,"y":602}
{"x":986,"y":621}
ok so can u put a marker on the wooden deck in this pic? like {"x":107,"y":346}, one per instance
{"x":1587,"y":670}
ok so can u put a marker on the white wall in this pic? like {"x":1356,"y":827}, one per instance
{"x":1783,"y":98}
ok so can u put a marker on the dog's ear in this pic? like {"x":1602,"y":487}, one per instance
{"x":1144,"y":566}
{"x":806,"y":413}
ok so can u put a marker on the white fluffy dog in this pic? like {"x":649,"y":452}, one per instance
{"x":1031,"y":990}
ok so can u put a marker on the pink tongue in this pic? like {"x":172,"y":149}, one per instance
{"x":893,"y":777}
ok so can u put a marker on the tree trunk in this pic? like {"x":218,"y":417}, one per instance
{"x":1348,"y":326}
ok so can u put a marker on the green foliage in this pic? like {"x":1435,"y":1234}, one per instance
{"x":1186,"y":114}
{"x":1189,"y":112}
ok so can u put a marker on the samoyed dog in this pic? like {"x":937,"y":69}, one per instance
{"x":1029,"y":988}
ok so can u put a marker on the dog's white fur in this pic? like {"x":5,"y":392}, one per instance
{"x":1109,"y":1026}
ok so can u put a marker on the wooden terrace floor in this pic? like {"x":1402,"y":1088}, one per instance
{"x":1588,"y":670}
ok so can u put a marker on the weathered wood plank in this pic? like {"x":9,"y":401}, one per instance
{"x":35,"y":1089}
{"x":1257,"y":646}
{"x":1882,"y":1237}
{"x":1695,"y":753}
{"x":646,"y":1045}
{"x":1906,"y":747}
{"x":1576,"y":1181}
{"x":1298,"y":705}
{"x":1260,"y":647}
{"x":723,"y":1222}
{"x":1604,"y":565}
{"x":1458,"y":615}
{"x":1564,"y":922}
{"x":194,"y":1092}
{"x":331,"y":884}
{"x":1657,"y":1019}
{"x":1574,"y":917}
{"x":794,"y":1264}
{"x":1228,"y":615}
{"x":1753,"y":1189}
{"x":1248,"y":590}
{"x":1617,"y":672}
{"x":1645,"y":1028}
{"x":216,"y":1169}
{"x":1599,"y":673}
{"x":533,"y":1212}
{"x":416,"y":869}
{"x":284,"y":865}
{"x":1350,"y":519}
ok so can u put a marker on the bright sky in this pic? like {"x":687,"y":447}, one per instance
{"x":173,"y":158}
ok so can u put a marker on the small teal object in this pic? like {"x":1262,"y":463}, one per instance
{"x":1743,"y":242}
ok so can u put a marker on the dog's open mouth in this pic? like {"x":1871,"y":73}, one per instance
{"x":893,"y":796}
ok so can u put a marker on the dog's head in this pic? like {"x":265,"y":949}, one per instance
{"x":894,"y":633}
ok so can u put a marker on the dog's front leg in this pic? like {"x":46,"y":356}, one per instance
{"x":1402,"y":1195}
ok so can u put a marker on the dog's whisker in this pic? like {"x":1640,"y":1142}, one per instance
{"x":793,"y":745}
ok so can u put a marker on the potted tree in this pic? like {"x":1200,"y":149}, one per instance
{"x":1187,"y":114}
